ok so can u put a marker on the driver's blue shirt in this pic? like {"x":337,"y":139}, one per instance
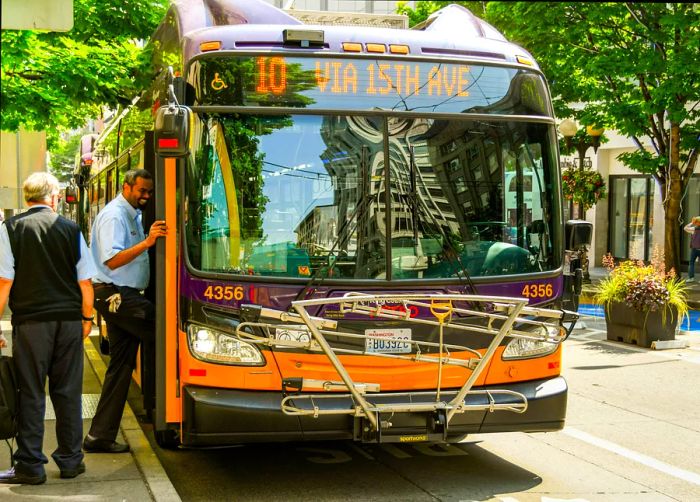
{"x":118,"y":227}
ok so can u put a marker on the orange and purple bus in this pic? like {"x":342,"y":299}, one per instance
{"x":368,"y":237}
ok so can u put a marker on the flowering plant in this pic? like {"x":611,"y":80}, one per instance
{"x":583,"y":186}
{"x":645,"y":288}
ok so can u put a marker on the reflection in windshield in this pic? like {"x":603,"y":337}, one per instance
{"x":303,"y":196}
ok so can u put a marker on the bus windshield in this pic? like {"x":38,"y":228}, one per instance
{"x":288,"y":195}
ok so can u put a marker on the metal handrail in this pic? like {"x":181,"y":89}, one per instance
{"x":501,"y":317}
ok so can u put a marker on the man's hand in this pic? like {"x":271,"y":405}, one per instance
{"x":3,"y":341}
{"x":87,"y":328}
{"x":158,"y":229}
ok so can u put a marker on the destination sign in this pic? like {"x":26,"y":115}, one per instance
{"x":369,"y":79}
{"x":369,"y":84}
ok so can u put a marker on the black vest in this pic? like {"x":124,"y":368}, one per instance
{"x":46,"y":250}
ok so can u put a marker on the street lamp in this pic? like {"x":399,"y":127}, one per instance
{"x":568,"y":128}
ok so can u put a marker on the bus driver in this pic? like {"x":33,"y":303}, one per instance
{"x":118,"y":247}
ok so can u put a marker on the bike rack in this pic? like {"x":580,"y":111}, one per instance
{"x":498,"y":317}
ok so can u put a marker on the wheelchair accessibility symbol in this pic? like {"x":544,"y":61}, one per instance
{"x":217,"y":84}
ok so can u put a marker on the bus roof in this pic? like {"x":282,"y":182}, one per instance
{"x":245,"y":25}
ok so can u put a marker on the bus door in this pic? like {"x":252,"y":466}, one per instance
{"x":164,"y":285}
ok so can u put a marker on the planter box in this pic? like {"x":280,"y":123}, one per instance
{"x":624,"y":324}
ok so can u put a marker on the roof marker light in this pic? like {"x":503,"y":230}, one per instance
{"x":210,"y":46}
{"x":352,"y":47}
{"x":398,"y":49}
{"x":524,"y":60}
{"x":376,"y":48}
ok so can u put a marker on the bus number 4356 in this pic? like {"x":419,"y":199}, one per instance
{"x":537,"y":291}
{"x":224,"y":293}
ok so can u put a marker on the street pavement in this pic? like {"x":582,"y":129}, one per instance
{"x":136,"y":476}
{"x":139,"y":475}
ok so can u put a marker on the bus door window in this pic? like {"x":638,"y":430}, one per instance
{"x":110,"y":184}
{"x":93,"y":200}
{"x":101,"y":186}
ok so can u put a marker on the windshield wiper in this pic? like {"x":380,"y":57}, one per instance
{"x":347,"y":229}
{"x":417,"y":204}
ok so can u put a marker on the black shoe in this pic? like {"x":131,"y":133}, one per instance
{"x":16,"y":478}
{"x":91,"y":445}
{"x":72,"y":473}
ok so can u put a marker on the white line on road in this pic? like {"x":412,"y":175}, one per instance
{"x":691,"y":477}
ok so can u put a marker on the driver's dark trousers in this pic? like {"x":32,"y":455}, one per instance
{"x":132,"y":323}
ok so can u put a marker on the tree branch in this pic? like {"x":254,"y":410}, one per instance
{"x":25,"y":75}
{"x":658,"y":134}
{"x":657,"y":45}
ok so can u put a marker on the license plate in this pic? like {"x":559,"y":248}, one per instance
{"x":390,"y":341}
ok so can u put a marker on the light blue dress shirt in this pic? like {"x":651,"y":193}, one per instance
{"x":118,"y":227}
{"x":85,"y":267}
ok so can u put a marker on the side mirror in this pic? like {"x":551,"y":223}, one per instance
{"x":172,"y":131}
{"x":578,"y":233}
{"x":71,"y":194}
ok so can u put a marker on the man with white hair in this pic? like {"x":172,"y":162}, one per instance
{"x":45,"y":272}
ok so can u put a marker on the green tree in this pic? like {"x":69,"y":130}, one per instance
{"x":56,"y":81}
{"x":63,"y":157}
{"x":425,"y":8}
{"x":636,"y":66}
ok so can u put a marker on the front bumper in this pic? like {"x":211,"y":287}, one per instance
{"x":214,"y":416}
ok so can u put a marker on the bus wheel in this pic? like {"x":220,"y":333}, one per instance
{"x":167,"y":439}
{"x":104,"y":345}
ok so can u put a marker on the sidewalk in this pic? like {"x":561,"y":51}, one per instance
{"x":137,"y":476}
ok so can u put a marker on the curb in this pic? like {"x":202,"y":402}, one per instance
{"x":155,"y":477}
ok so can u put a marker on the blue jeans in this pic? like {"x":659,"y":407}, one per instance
{"x":694,"y":255}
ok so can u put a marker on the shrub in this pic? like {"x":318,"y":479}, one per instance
{"x":645,"y":288}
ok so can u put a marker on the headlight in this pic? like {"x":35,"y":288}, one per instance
{"x":217,"y":347}
{"x":523,"y":348}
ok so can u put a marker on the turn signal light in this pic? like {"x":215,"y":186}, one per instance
{"x":524,"y":60}
{"x":376,"y":48}
{"x":398,"y":49}
{"x":352,"y":47}
{"x":168,"y":143}
{"x":210,"y":46}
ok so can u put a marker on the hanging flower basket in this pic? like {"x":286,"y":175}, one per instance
{"x":583,"y":186}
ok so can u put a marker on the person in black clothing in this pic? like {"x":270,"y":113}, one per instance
{"x":45,"y":272}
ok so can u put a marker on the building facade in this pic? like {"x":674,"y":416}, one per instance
{"x":629,"y":223}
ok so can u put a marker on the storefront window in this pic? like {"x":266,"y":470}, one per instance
{"x":631,"y":217}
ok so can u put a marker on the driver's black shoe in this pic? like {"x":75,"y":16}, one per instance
{"x":93,"y":445}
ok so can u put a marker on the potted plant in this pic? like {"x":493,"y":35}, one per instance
{"x":642,"y":303}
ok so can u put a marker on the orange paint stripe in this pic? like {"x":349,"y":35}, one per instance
{"x":172,"y":402}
